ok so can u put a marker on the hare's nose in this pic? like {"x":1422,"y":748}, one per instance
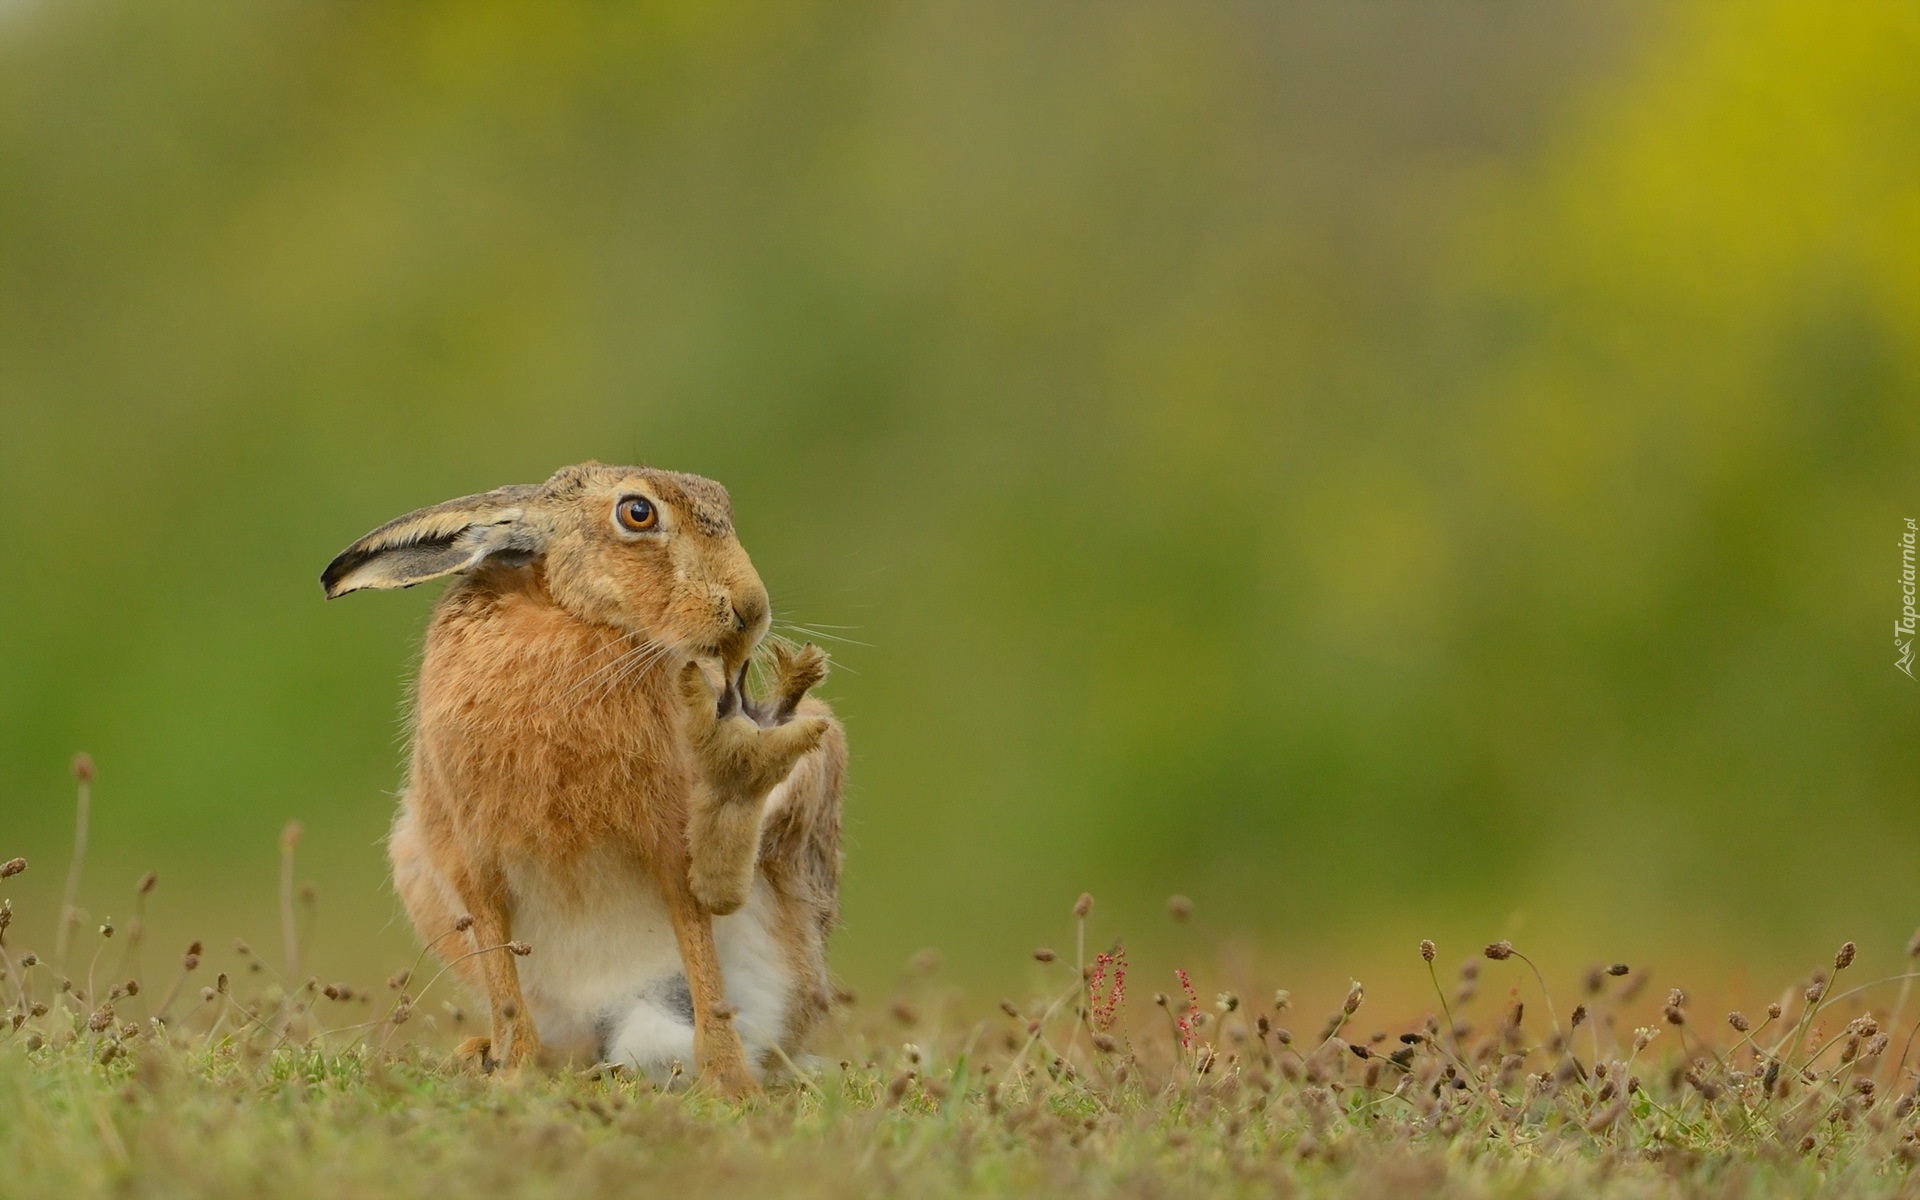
{"x":748,"y":612}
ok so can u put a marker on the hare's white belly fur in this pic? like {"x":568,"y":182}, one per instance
{"x":605,"y":977}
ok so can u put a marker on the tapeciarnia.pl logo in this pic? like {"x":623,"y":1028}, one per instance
{"x":1903,"y":628}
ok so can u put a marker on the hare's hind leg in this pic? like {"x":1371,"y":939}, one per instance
{"x":801,"y":840}
{"x":716,"y":1043}
{"x":800,"y":856}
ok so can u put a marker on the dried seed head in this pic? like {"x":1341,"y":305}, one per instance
{"x":1500,"y":951}
{"x":290,"y":836}
{"x":1427,"y":950}
{"x":1913,"y":945}
{"x":519,"y":949}
{"x":30,"y":960}
{"x":463,"y":924}
{"x":1226,"y":1002}
{"x":1104,"y":1044}
{"x":1008,"y":1007}
{"x":1282,"y":1000}
{"x":399,"y":979}
{"x":221,"y":983}
{"x":1160,"y":998}
{"x":1815,"y":990}
{"x":106,"y":928}
{"x":1355,"y":994}
{"x":1844,"y":959}
{"x":131,"y":987}
{"x":1042,"y":954}
{"x":1083,"y":905}
{"x":1360,"y":1052}
{"x":1579,"y":1017}
{"x":903,"y":1011}
{"x":147,"y":883}
{"x":83,"y":767}
{"x":1179,"y":907}
{"x":1676,"y":998}
{"x":1773,"y":1011}
{"x":1618,"y":969}
{"x":12,"y":867}
{"x":241,"y":948}
{"x":1643,"y":1037}
{"x":1739,"y":1022}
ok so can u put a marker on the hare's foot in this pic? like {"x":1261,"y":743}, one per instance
{"x":476,"y":1052}
{"x":725,"y":1067}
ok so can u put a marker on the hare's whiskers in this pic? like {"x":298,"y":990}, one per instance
{"x":659,"y":651}
{"x":830,"y":637}
{"x":643,"y":645}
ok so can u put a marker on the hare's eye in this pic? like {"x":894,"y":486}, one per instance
{"x":636,"y":514}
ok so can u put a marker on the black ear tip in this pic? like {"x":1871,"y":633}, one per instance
{"x":336,"y":571}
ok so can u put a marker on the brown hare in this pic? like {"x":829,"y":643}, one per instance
{"x":607,"y":837}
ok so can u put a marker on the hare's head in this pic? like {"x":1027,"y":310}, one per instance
{"x":652,"y":552}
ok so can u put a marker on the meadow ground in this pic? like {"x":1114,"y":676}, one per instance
{"x":230,"y":1084}
{"x":188,"y":1080}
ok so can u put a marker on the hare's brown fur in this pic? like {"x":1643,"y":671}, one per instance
{"x":560,"y":723}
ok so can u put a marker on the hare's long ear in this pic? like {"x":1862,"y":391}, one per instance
{"x":442,"y":540}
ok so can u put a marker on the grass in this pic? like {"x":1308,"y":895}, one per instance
{"x":247,"y":1084}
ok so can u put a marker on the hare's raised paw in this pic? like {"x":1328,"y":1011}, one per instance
{"x":795,"y":673}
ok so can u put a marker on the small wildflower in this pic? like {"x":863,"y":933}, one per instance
{"x":1282,"y":1000}
{"x":1643,"y":1037}
{"x":1355,"y":995}
{"x":106,"y":928}
{"x":1226,"y":1002}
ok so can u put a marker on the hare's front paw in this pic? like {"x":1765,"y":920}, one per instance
{"x":746,"y":746}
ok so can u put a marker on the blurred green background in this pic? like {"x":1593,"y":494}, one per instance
{"x":1385,"y":470}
